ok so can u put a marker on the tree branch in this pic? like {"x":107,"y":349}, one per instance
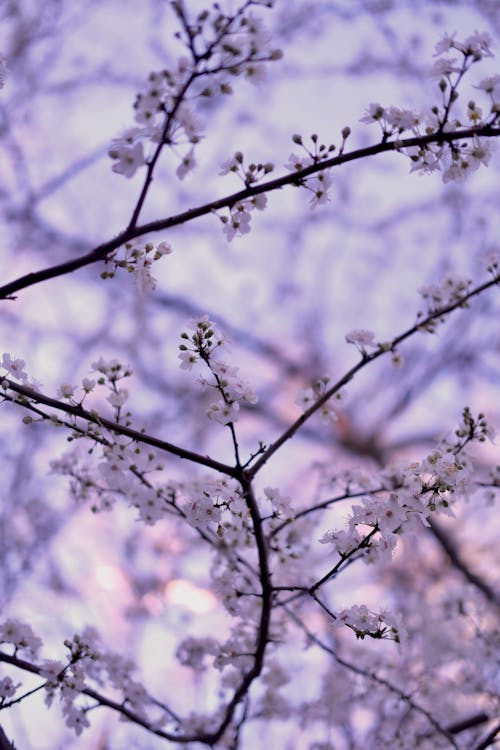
{"x":241,"y":691}
{"x":101,"y":252}
{"x":372,"y":676}
{"x":366,"y":359}
{"x":265,"y":615}
{"x":489,"y":739}
{"x":118,"y":429}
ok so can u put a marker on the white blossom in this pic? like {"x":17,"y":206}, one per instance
{"x":188,"y":163}
{"x":14,"y":367}
{"x":128,"y":158}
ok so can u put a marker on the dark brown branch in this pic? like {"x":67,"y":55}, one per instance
{"x":265,"y":615}
{"x":469,"y":723}
{"x":101,"y":252}
{"x":119,"y":429}
{"x":101,"y":699}
{"x":489,"y":739}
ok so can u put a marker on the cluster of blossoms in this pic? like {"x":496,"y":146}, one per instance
{"x":110,"y":373}
{"x":319,"y":184}
{"x":364,"y":341}
{"x":138,"y":260}
{"x":455,"y":160}
{"x":280,"y":503}
{"x":204,"y":344}
{"x":68,"y":680}
{"x":216,"y":505}
{"x":363,"y":622}
{"x":193,"y":652}
{"x":307,"y":397}
{"x":476,"y":46}
{"x":392,"y":120}
{"x":231,"y":656}
{"x":14,"y":367}
{"x":413,"y":494}
{"x":437,"y":297}
{"x":249,"y":175}
{"x":220,"y":47}
{"x":237,"y":223}
{"x":458,"y":162}
{"x":122,"y":471}
{"x":21,"y":636}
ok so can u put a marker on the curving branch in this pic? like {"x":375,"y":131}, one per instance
{"x":366,"y":359}
{"x":102,"y":252}
{"x":489,"y":739}
{"x":208,"y":738}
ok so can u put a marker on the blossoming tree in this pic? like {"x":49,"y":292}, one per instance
{"x":331,"y":604}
